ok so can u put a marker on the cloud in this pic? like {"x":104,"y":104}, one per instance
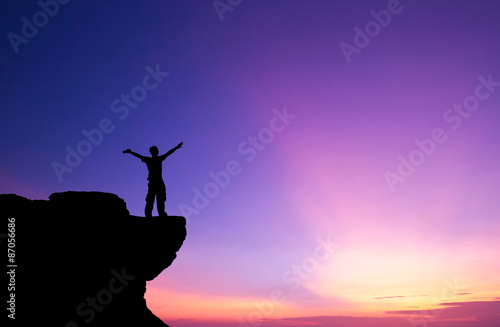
{"x":396,"y":296}
{"x":456,"y":314}
{"x":387,"y":297}
{"x":486,"y":312}
{"x":342,"y":321}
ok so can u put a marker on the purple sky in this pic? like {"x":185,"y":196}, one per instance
{"x":389,"y":150}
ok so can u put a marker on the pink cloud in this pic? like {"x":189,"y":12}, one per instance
{"x":456,"y":314}
{"x":486,"y":313}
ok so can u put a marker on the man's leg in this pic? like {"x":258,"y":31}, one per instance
{"x":150,"y":199}
{"x":161,"y":197}
{"x":161,"y":208}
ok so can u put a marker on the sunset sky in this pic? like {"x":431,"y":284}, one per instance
{"x":340,"y":159}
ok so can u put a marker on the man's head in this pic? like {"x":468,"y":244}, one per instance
{"x":154,"y":151}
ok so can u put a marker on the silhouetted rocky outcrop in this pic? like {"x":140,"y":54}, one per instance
{"x":83,"y":260}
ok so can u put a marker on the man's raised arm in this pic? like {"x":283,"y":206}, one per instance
{"x":134,"y":154}
{"x":172,"y":150}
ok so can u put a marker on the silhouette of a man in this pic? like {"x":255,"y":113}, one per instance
{"x":156,"y":186}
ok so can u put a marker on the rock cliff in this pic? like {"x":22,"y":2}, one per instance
{"x":83,"y":260}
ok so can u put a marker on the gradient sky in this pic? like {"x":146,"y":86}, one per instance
{"x":412,"y":248}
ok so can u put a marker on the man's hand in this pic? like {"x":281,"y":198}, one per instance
{"x":127,"y":151}
{"x":179,"y":145}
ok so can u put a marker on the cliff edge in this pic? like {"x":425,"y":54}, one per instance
{"x":82,"y":260}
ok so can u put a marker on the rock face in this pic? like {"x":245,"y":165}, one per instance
{"x":83,"y":260}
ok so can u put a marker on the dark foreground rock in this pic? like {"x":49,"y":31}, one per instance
{"x":82,"y":260}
